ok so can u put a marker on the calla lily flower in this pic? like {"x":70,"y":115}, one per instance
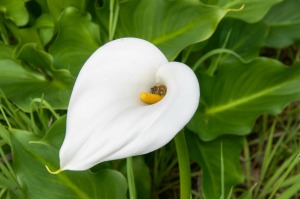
{"x":128,"y":100}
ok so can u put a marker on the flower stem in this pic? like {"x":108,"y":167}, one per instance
{"x":130,"y":178}
{"x":216,"y":52}
{"x":184,"y":166}
{"x":113,"y":18}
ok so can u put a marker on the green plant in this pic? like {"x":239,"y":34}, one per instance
{"x":244,"y":53}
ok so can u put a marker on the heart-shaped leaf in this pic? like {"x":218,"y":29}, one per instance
{"x":170,"y":25}
{"x":239,"y":93}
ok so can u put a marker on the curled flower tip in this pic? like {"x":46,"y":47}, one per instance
{"x":150,"y":98}
{"x":53,"y":172}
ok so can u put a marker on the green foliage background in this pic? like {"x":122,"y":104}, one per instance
{"x":44,"y":43}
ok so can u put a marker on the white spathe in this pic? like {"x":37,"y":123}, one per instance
{"x":106,"y":119}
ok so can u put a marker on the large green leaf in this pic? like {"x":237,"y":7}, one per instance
{"x":77,"y":39}
{"x":239,"y":93}
{"x":283,"y":21}
{"x":208,"y":156}
{"x":170,"y":25}
{"x":15,"y":10}
{"x":22,"y":84}
{"x":243,"y":38}
{"x":250,"y":11}
{"x":30,"y":155}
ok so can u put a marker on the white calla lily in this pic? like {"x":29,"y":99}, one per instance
{"x":106,"y":118}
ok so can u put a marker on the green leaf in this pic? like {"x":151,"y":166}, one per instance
{"x":162,"y":24}
{"x":4,"y":33}
{"x":39,"y":81}
{"x":45,"y":28}
{"x":252,"y":10}
{"x":246,"y":195}
{"x":208,"y":156}
{"x":30,"y":155}
{"x":29,"y":35}
{"x":283,"y":20}
{"x":6,"y":52}
{"x":239,"y":93}
{"x":243,"y":38}
{"x":77,"y":39}
{"x":41,"y":32}
{"x":43,"y":6}
{"x":35,"y":58}
{"x":56,"y":7}
{"x":15,"y":10}
{"x":56,"y":134}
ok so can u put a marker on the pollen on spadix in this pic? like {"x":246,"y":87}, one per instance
{"x":156,"y":94}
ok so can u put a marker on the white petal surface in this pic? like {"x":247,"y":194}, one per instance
{"x":106,"y":119}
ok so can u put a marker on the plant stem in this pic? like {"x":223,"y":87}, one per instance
{"x":130,"y":178}
{"x":222,"y":174}
{"x":184,"y":166}
{"x":216,"y":52}
{"x":4,"y":116}
{"x":113,"y":17}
